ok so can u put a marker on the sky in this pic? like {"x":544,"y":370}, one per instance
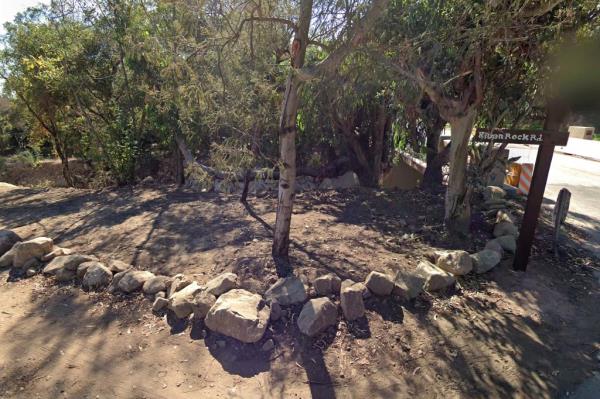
{"x":10,"y":8}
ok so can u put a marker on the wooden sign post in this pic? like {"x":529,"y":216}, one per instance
{"x":546,"y":141}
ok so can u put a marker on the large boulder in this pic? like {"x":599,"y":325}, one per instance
{"x":485,"y":260}
{"x":287,"y":291}
{"x":8,"y":238}
{"x":96,"y":276}
{"x":435,"y":278}
{"x":133,"y":280}
{"x":508,"y":243}
{"x":239,"y":314}
{"x":351,"y":300}
{"x":35,"y":248}
{"x":68,"y":262}
{"x":494,"y":245}
{"x":379,"y":283}
{"x":156,"y":284}
{"x":221,"y":284}
{"x":6,"y":260}
{"x":191,"y":299}
{"x":347,"y":180}
{"x":316,"y":316}
{"x":505,"y":229}
{"x":455,"y":262}
{"x":327,"y":284}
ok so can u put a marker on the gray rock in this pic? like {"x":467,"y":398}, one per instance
{"x":8,"y":238}
{"x":275,"y":311}
{"x":379,"y":283}
{"x":156,"y":284}
{"x":408,"y":285}
{"x":160,"y":294}
{"x":117,"y":266}
{"x":287,"y":291}
{"x":178,"y":282}
{"x":494,"y":245}
{"x":68,"y":262}
{"x":56,"y":251}
{"x":316,"y":316}
{"x":221,"y":284}
{"x":327,"y":284}
{"x":505,"y":228}
{"x":351,"y":299}
{"x":435,"y":278}
{"x":269,"y":345}
{"x":30,"y":272}
{"x":239,"y":314}
{"x":455,"y":262}
{"x":133,"y":280}
{"x":493,"y":193}
{"x":347,"y":180}
{"x":485,"y":260}
{"x":32,"y":263}
{"x":504,"y":216}
{"x":65,"y":275}
{"x":96,"y":276}
{"x":114,"y":284}
{"x":508,"y":243}
{"x":6,"y":260}
{"x":35,"y":248}
{"x":191,"y":299}
{"x":159,"y":304}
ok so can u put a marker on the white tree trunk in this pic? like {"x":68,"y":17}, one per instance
{"x":457,"y":206}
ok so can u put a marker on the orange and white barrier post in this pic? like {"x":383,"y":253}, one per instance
{"x":525,"y":178}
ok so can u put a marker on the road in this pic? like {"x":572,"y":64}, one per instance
{"x":582,"y":178}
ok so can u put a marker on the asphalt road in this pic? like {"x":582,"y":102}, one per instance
{"x":582,"y":178}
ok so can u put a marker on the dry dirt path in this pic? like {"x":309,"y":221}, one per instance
{"x":503,"y":334}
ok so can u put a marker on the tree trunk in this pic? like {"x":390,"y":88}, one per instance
{"x":287,"y":138}
{"x":382,"y":122}
{"x":457,"y":215}
{"x":433,"y":177}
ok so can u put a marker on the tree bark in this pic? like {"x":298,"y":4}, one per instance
{"x":433,"y":177}
{"x":287,"y":139}
{"x":457,"y":215}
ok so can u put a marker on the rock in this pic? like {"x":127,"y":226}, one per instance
{"x":508,"y":243}
{"x":30,"y":272}
{"x":191,"y":299}
{"x":82,"y":268}
{"x":287,"y":291}
{"x":96,"y":276}
{"x":351,"y":299}
{"x":493,"y":193}
{"x":68,"y":262}
{"x":485,"y":260}
{"x":57,"y":251}
{"x":156,"y":284}
{"x":379,"y":283}
{"x":494,"y":245}
{"x":178,"y":282}
{"x":8,"y":238}
{"x":6,"y":260}
{"x":159,"y":304}
{"x":133,"y":280}
{"x":408,"y":285}
{"x":504,"y":216}
{"x":26,"y":250}
{"x":269,"y":345}
{"x":32,"y":263}
{"x":160,"y":294}
{"x":505,"y":228}
{"x":327,"y":284}
{"x":65,"y":275}
{"x":435,"y":278}
{"x":347,"y":180}
{"x":316,"y":316}
{"x":275,"y":311}
{"x":221,"y":284}
{"x":114,"y":284}
{"x":455,"y":262}
{"x":239,"y":314}
{"x":117,"y":266}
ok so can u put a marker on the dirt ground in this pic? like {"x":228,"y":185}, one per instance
{"x":502,"y":334}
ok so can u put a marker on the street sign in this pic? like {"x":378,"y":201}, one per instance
{"x":546,"y":139}
{"x":518,"y":136}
